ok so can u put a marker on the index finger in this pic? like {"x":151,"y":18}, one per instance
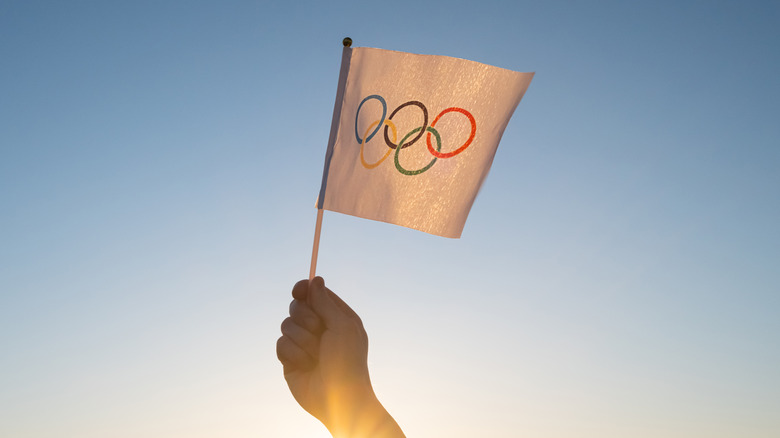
{"x":301,"y":290}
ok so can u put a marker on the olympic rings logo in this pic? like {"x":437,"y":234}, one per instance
{"x":411,"y":137}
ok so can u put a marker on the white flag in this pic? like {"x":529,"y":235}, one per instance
{"x":413,"y":136}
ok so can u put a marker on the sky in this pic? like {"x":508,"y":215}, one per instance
{"x":618,"y":274}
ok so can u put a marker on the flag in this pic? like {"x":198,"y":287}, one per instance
{"x":413,"y":136}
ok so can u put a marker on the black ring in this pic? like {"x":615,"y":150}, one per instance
{"x":422,"y":131}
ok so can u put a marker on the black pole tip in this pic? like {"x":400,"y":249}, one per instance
{"x":347,"y":42}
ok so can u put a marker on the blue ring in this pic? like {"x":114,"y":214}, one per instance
{"x":381,"y":121}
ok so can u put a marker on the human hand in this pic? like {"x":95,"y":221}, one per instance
{"x":324,"y":351}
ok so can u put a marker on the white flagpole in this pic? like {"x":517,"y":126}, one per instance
{"x":316,"y":249}
{"x":345,"y":57}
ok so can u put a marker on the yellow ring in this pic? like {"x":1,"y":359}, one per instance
{"x":389,"y":150}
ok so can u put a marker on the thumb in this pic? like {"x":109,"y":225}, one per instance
{"x":323,"y":305}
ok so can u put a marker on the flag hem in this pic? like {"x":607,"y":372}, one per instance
{"x":346,"y":56}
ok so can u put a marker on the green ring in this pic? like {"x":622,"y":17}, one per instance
{"x":418,"y":171}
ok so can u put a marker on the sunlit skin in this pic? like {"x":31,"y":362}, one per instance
{"x":324,"y":351}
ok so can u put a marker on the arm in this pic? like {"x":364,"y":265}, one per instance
{"x":324,"y":351}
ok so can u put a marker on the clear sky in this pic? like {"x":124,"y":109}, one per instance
{"x":619,"y":274}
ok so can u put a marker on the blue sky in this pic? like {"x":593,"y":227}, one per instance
{"x":617,"y":275}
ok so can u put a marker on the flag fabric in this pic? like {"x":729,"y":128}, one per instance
{"x":413,"y":136}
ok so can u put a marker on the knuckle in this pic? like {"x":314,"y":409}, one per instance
{"x":300,"y":289}
{"x":286,"y":325}
{"x":280,"y":346}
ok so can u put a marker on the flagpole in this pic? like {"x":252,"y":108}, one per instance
{"x":345,"y":57}
{"x":316,"y":248}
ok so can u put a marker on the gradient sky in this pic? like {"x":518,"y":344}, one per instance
{"x":619,"y":274}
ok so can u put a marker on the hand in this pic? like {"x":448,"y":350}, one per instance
{"x":324,"y":351}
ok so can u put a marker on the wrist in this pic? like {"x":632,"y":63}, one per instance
{"x":362,"y":417}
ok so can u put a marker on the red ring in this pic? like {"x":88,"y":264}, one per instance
{"x":438,"y":154}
